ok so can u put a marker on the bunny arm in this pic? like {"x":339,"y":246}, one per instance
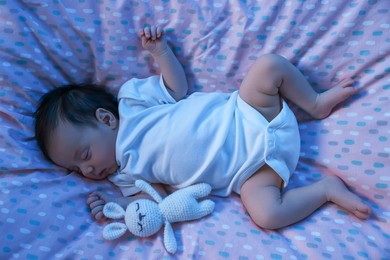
{"x":182,"y":205}
{"x":146,"y":187}
{"x":199,"y":190}
{"x":169,"y":238}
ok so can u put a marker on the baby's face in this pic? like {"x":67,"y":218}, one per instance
{"x":85,"y":149}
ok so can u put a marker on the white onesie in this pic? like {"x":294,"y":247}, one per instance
{"x":215,"y":138}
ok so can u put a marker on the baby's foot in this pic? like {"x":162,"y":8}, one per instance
{"x":327,"y":100}
{"x":339,"y":194}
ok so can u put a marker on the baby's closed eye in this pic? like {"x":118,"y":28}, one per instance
{"x":86,"y":154}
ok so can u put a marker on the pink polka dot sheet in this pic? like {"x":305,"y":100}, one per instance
{"x":44,"y":44}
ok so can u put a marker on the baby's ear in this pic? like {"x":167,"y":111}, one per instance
{"x":106,"y":117}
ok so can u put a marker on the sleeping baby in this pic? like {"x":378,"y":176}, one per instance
{"x":246,"y":142}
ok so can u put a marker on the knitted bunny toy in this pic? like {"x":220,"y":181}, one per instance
{"x":144,"y":217}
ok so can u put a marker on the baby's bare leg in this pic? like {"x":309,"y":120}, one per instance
{"x":270,"y":209}
{"x":272,"y":75}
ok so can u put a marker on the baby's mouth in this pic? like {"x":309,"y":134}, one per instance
{"x":108,"y":171}
{"x":101,"y":174}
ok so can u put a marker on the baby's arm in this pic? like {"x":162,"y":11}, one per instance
{"x":98,"y":199}
{"x":174,"y":77}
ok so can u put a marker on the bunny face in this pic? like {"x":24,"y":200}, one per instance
{"x":143,"y":218}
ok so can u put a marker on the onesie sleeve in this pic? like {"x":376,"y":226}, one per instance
{"x":148,"y":91}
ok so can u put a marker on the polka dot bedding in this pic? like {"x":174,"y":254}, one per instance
{"x":44,"y":44}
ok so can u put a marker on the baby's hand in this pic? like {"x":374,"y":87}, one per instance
{"x":96,"y":202}
{"x":153,"y":40}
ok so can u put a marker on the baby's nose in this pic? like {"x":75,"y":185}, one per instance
{"x":87,"y":170}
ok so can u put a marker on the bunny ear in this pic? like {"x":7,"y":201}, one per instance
{"x":146,"y":187}
{"x":169,"y":238}
{"x":113,"y":210}
{"x":114,"y":230}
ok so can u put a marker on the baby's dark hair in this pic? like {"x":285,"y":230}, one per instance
{"x":74,"y":103}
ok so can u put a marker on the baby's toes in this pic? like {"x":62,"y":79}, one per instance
{"x":347,"y":83}
{"x":362,"y":212}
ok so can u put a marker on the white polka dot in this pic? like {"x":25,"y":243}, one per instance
{"x":300,"y":238}
{"x":24,"y":231}
{"x":25,"y":246}
{"x":17,"y":183}
{"x":88,"y":11}
{"x":339,"y":221}
{"x":247,"y":247}
{"x":330,"y":248}
{"x":316,"y":234}
{"x":45,"y":249}
{"x":281,"y":250}
{"x":70,"y":227}
{"x":42,"y":214}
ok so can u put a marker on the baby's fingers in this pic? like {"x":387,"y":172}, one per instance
{"x":153,"y":32}
{"x":147,"y":32}
{"x":100,"y":216}
{"x":159,"y":31}
{"x":97,"y":204}
{"x":92,"y":198}
{"x":141,"y":33}
{"x":97,"y":212}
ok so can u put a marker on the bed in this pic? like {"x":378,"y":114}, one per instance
{"x":44,"y":44}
